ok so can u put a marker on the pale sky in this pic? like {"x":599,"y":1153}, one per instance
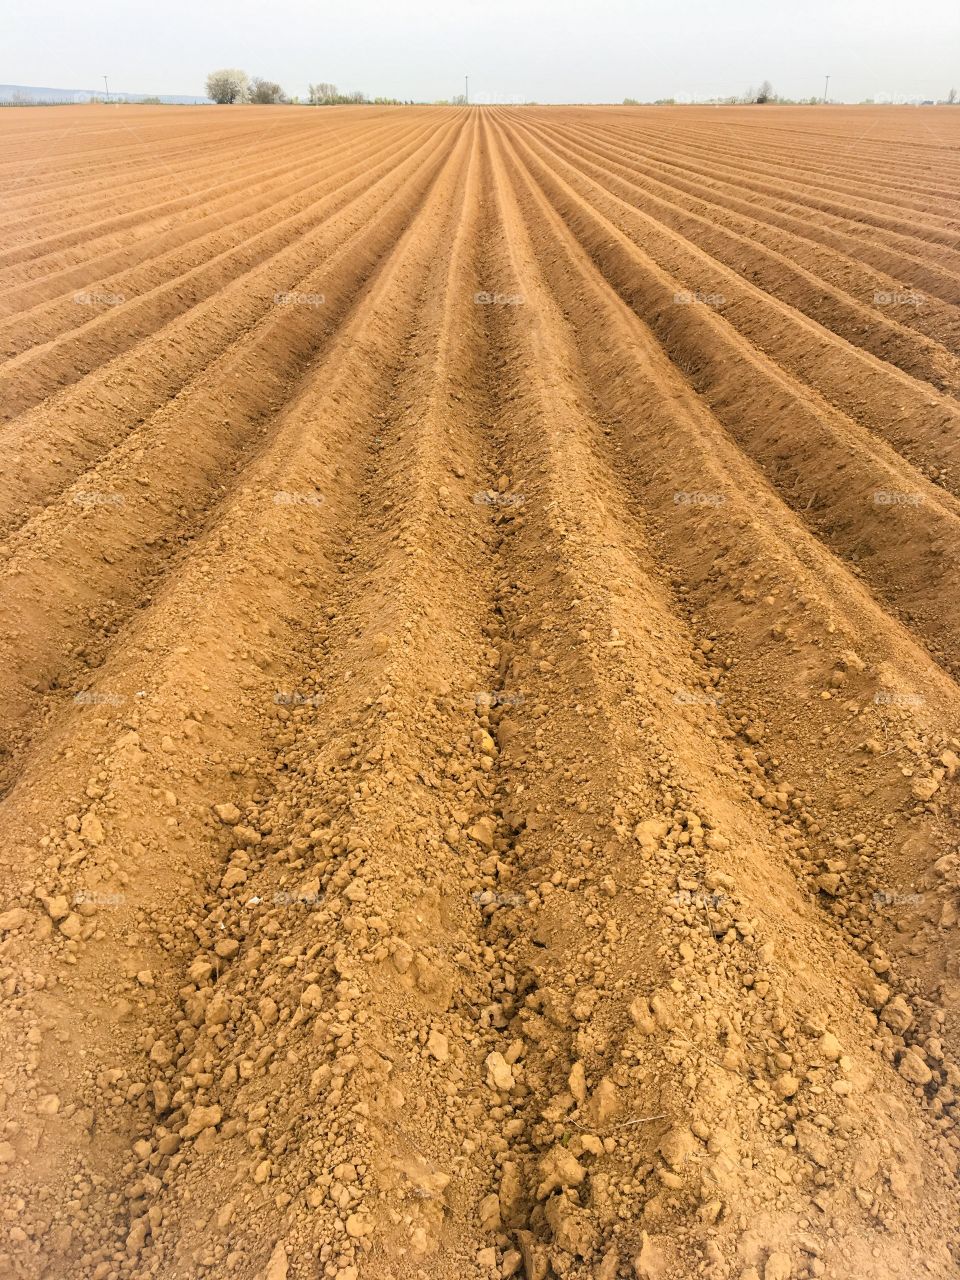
{"x":513,"y":50}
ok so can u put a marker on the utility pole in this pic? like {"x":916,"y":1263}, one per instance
{"x":825,"y":88}
{"x":466,"y":85}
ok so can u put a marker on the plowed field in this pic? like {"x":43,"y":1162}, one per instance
{"x":480,"y":756}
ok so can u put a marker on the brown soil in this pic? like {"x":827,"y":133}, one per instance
{"x":481,"y":728}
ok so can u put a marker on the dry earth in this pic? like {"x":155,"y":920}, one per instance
{"x":479,"y":692}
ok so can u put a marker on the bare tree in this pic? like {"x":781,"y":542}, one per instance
{"x":265,"y":92}
{"x":227,"y":85}
{"x":327,"y":95}
{"x":765,"y":92}
{"x":952,"y":96}
{"x":322,"y":93}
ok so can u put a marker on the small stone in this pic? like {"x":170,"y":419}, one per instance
{"x":483,"y":831}
{"x":559,"y":1168}
{"x":278,"y":1265}
{"x":57,"y":908}
{"x":228,"y":814}
{"x":676,"y":1147}
{"x":438,"y":1046}
{"x":490,"y":1219}
{"x":15,"y":918}
{"x":312,"y":997}
{"x":878,"y":994}
{"x":829,"y":1047}
{"x":604,"y":1104}
{"x":159,"y":1088}
{"x":609,"y":1265}
{"x":779,"y":1267}
{"x":897,"y":1015}
{"x":913,"y":1068}
{"x":136,"y":1237}
{"x":787,"y":1085}
{"x":511,"y":1264}
{"x":72,"y":926}
{"x":710,"y":1211}
{"x":577,"y":1083}
{"x":571,"y":1228}
{"x":91,"y":829}
{"x":649,"y":1264}
{"x":642,"y":1016}
{"x":499,"y":1075}
{"x":513,"y":1208}
{"x":925,"y":788}
{"x":218,"y":1011}
{"x":358,"y":1225}
{"x":201,"y":1118}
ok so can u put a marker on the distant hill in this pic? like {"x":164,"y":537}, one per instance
{"x":26,"y":93}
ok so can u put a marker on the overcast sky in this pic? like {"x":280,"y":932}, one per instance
{"x":543,"y":50}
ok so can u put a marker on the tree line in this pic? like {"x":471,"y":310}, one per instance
{"x":230,"y":85}
{"x":766,"y":94}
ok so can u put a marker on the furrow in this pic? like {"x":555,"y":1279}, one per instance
{"x":208,"y":687}
{"x":96,"y":258}
{"x":117,"y":519}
